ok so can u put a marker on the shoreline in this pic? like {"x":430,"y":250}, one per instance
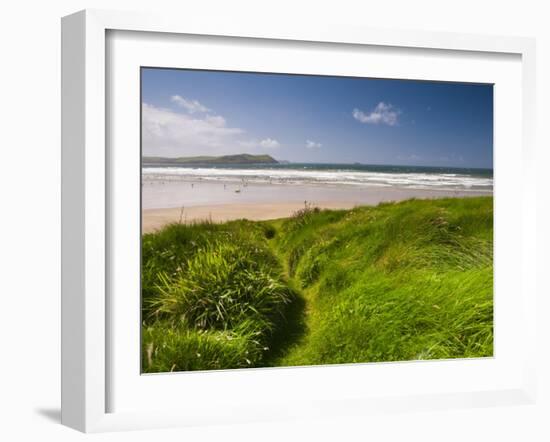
{"x":154,"y":219}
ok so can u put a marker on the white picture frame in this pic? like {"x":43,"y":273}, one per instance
{"x":87,"y":202}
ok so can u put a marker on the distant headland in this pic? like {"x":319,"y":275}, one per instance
{"x":224,"y":159}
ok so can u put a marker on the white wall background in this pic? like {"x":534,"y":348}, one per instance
{"x":30,"y":215}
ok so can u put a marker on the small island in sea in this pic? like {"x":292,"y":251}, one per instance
{"x":370,"y":242}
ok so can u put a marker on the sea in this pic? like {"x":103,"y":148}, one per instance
{"x":356,"y":175}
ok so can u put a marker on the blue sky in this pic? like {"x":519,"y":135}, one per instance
{"x":317,"y":119}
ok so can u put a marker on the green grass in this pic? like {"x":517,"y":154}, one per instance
{"x":404,"y":281}
{"x":213,"y":295}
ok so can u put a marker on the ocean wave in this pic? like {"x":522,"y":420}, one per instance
{"x":321,"y":177}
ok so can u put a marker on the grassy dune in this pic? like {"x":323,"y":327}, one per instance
{"x":403,"y":281}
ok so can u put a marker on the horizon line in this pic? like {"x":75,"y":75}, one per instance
{"x":279,"y":161}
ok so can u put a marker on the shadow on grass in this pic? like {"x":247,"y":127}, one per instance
{"x":291,"y":330}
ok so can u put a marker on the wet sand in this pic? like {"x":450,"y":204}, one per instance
{"x":172,"y":202}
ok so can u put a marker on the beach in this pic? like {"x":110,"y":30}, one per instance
{"x":167,"y":200}
{"x":302,"y":220}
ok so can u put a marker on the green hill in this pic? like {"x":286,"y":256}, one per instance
{"x":399,"y":281}
{"x":207,"y":160}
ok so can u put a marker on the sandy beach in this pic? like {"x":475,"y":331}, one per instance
{"x":185,"y":201}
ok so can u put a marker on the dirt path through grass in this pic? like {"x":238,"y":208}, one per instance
{"x":295,"y":331}
{"x":404,"y":281}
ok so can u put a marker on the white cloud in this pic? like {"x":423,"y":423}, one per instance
{"x":312,"y":144}
{"x":383,"y":113}
{"x":173,"y":134}
{"x":215,"y":120}
{"x":269,"y":143}
{"x":169,"y":133}
{"x":453,"y":157}
{"x":411,"y":157}
{"x":192,"y":106}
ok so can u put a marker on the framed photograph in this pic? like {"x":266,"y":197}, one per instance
{"x":281,"y":223}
